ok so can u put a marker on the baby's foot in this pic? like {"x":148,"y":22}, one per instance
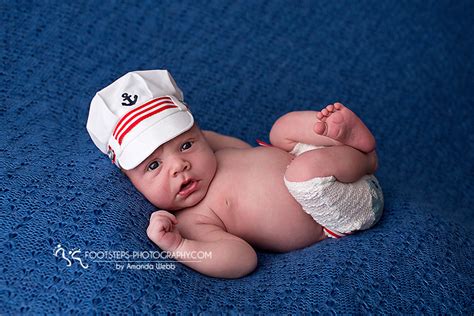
{"x":339,"y":123}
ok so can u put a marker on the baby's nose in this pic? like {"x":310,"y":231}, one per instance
{"x":179,"y":166}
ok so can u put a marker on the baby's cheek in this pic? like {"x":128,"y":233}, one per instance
{"x":156,"y":199}
{"x":161,"y":199}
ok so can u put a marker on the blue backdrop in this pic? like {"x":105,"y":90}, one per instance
{"x":406,"y":67}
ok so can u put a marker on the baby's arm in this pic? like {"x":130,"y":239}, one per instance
{"x":218,"y":141}
{"x":229,"y":256}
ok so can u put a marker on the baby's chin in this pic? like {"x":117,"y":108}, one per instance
{"x":190,"y":201}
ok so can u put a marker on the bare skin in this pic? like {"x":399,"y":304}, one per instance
{"x":340,"y":123}
{"x":227,"y":197}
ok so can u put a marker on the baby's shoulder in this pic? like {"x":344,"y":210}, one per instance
{"x":191,"y":219}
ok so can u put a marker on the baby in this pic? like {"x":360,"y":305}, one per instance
{"x":220,"y":195}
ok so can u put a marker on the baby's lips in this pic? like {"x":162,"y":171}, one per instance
{"x":188,"y":188}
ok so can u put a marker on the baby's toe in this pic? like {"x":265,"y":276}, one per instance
{"x":319,"y":128}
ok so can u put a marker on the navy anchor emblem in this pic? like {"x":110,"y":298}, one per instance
{"x":127,"y":97}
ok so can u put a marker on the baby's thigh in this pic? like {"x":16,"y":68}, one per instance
{"x":294,"y":126}
{"x":298,"y":127}
{"x":312,"y":164}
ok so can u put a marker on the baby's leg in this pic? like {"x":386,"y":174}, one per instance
{"x":338,"y":122}
{"x":298,"y":127}
{"x":334,"y":125}
{"x":345,"y":163}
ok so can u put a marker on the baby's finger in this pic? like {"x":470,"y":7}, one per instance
{"x":158,"y":213}
{"x":170,"y":227}
{"x":167,"y":225}
{"x":155,"y":216}
{"x":167,"y":222}
{"x":168,"y":215}
{"x":157,"y":228}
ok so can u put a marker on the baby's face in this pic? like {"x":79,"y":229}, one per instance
{"x":178,"y":174}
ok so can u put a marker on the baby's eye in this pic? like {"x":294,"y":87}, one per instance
{"x":186,"y":145}
{"x":154,"y":165}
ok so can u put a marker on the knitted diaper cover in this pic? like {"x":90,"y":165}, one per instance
{"x":341,"y":208}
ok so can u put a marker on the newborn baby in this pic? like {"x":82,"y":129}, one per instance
{"x":220,"y":195}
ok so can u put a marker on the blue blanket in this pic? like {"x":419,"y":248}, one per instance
{"x":69,"y":219}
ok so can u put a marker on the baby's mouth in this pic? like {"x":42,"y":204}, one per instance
{"x":187,"y":187}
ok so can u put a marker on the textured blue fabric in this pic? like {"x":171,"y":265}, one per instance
{"x":405,"y":67}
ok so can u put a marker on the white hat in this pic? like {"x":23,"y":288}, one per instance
{"x":132,"y":117}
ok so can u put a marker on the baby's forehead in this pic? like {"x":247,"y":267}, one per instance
{"x":194,"y":131}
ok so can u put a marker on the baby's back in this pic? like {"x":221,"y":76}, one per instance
{"x":249,"y":195}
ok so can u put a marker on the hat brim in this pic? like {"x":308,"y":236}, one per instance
{"x":153,"y":137}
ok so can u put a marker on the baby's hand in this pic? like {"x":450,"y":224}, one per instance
{"x":162,"y":230}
